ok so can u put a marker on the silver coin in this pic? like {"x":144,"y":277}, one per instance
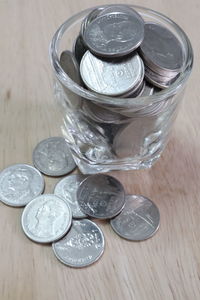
{"x":66,"y":189}
{"x":101,"y":196}
{"x":114,"y":34}
{"x":139,"y":219}
{"x":82,"y":246}
{"x":129,"y":140}
{"x":112,"y":78}
{"x":120,"y":8}
{"x":101,"y":114}
{"x":148,"y":89}
{"x":135,"y":92}
{"x":53,"y":157}
{"x":89,"y":18}
{"x":157,"y":80}
{"x":78,"y":49}
{"x":70,"y":66}
{"x":19,"y":184}
{"x":47,"y":218}
{"x":161,"y":50}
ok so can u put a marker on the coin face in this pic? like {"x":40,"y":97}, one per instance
{"x":66,"y":189}
{"x":101,"y":196}
{"x":53,"y":157}
{"x":161,"y":50}
{"x":47,"y":218}
{"x":89,"y":18}
{"x":114,"y":34}
{"x":19,"y":184}
{"x":111,"y":78}
{"x":82,"y":246}
{"x":139,"y":219}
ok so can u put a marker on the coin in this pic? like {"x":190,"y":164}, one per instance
{"x":101,"y":196}
{"x":19,"y":184}
{"x":112,"y":78}
{"x":114,"y":34}
{"x":66,"y":189}
{"x":161,"y":50}
{"x":53,"y":157}
{"x":135,"y":92}
{"x":139,"y":219}
{"x":129,"y":140}
{"x":120,"y":8}
{"x":89,"y":18}
{"x":148,"y":89}
{"x":101,"y":114}
{"x":82,"y":246}
{"x":47,"y":218}
{"x":158,"y":80}
{"x":78,"y":49}
{"x":70,"y":66}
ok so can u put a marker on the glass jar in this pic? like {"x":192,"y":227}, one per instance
{"x":110,"y":133}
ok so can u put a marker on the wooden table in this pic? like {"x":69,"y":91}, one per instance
{"x":162,"y":268}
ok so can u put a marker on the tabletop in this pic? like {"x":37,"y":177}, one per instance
{"x":164,"y":267}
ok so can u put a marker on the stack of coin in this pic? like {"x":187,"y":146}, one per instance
{"x":112,"y":38}
{"x":162,"y":54}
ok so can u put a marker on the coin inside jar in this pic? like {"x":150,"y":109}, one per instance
{"x":114,"y":34}
{"x":78,"y":49}
{"x":111,"y":78}
{"x":161,"y":50}
{"x":101,"y":114}
{"x":121,"y":8}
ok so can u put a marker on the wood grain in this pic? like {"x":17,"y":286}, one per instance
{"x":162,"y":268}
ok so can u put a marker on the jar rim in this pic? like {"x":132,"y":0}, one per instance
{"x":117,"y":101}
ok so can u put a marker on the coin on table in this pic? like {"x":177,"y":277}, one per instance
{"x":114,"y":34}
{"x":53,"y":157}
{"x":47,"y":218}
{"x":66,"y":189}
{"x":101,"y":196}
{"x":111,"y":78}
{"x":82,"y":246}
{"x":139,"y":219}
{"x":161,"y":50}
{"x":19,"y":184}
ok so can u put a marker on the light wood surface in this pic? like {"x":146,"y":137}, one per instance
{"x":164,"y":267}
